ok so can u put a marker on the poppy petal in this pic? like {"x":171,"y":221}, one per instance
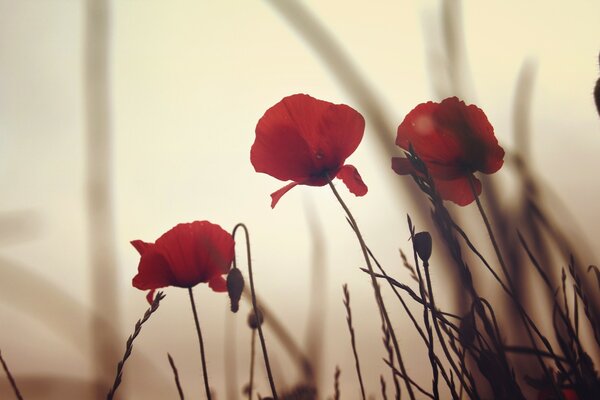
{"x":275,"y":196}
{"x":429,"y":137}
{"x":196,"y":252}
{"x":280,"y":150}
{"x":153,"y":272}
{"x":458,"y":190}
{"x":150,"y":296}
{"x":141,"y":246}
{"x":301,"y":137}
{"x":352,"y":179}
{"x":218,"y":283}
{"x":402,"y":166}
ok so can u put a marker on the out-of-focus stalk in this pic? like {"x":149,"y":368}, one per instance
{"x":103,"y":266}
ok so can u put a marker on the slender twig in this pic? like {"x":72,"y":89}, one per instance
{"x":390,"y":351}
{"x":255,"y":307}
{"x":415,"y":384}
{"x":201,"y":343}
{"x":430,"y":342}
{"x":353,"y":339}
{"x":436,"y":326}
{"x":393,"y":283}
{"x":383,"y":391}
{"x":175,"y":376}
{"x":13,"y":384}
{"x":527,"y":321}
{"x":376,"y":290}
{"x":336,"y":383}
{"x":587,"y":308}
{"x":527,"y":350}
{"x":129,"y":345}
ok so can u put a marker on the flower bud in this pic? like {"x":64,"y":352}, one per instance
{"x":235,"y":287}
{"x":254,"y":322}
{"x":422,"y":245}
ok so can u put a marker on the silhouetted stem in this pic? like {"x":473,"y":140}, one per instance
{"x":376,"y":289}
{"x":353,"y":340}
{"x":201,"y":343}
{"x":13,"y":384}
{"x":255,"y":308}
{"x":129,"y":345}
{"x":176,"y":376}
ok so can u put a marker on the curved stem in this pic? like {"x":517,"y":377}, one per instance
{"x":255,"y":308}
{"x":376,"y":289}
{"x":201,"y":342}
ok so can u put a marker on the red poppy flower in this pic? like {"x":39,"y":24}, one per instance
{"x":307,"y":141}
{"x":454,"y":141}
{"x":184,"y":256}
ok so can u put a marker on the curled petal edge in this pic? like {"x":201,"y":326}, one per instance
{"x":352,"y":179}
{"x":150,"y":296}
{"x":402,"y":165}
{"x":218,"y":284}
{"x":275,"y":196}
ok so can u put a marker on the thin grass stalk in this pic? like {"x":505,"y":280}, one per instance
{"x":587,"y":308}
{"x":281,"y":332}
{"x":376,"y":290}
{"x":439,"y":333}
{"x":201,"y":344}
{"x":383,"y":389}
{"x":129,"y":345}
{"x":255,"y":308}
{"x":430,"y":342}
{"x":390,"y":351}
{"x":176,"y":376}
{"x":353,"y":339}
{"x":567,"y":314}
{"x":394,"y":285}
{"x":100,"y":213}
{"x":336,"y":383}
{"x":11,"y":380}
{"x":527,"y":321}
{"x":415,"y":384}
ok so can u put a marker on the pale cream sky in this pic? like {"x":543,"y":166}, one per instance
{"x":190,"y":79}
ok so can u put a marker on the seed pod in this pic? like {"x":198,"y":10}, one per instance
{"x":422,"y":245}
{"x":254,"y":322}
{"x":235,"y":287}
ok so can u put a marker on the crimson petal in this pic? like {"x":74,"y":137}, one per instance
{"x":218,"y":283}
{"x":150,"y":296}
{"x":153,"y":272}
{"x":275,"y":196}
{"x":141,"y":246}
{"x":458,"y":190}
{"x":352,"y":179}
{"x":402,"y":166}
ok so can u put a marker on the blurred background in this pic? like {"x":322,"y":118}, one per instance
{"x":120,"y":119}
